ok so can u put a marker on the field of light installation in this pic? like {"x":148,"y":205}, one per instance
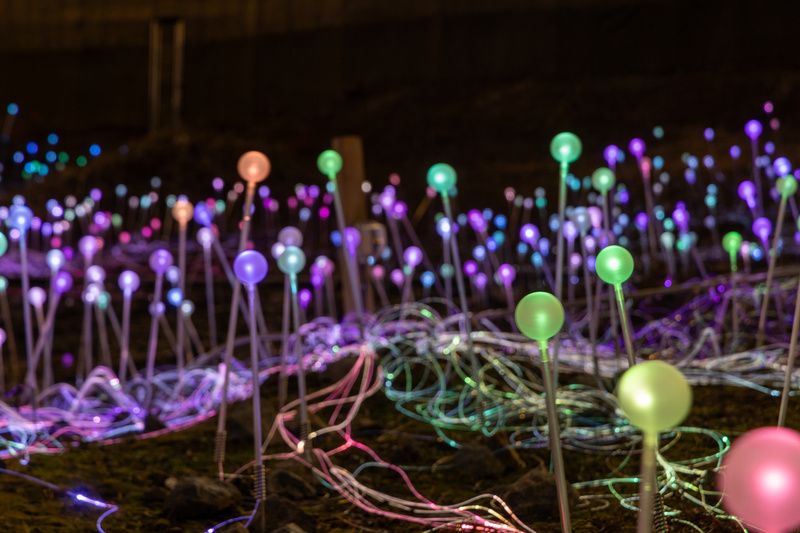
{"x":617,"y":356}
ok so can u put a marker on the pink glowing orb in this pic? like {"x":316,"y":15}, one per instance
{"x":397,"y":277}
{"x":760,"y":479}
{"x":506,"y":274}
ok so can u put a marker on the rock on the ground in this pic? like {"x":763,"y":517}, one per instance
{"x":199,"y":497}
{"x":282,"y":512}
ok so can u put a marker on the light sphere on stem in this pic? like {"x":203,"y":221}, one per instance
{"x":292,"y":260}
{"x":566,"y":147}
{"x":654,"y":395}
{"x":329,"y":163}
{"x":441,"y":178}
{"x":250,"y":267}
{"x":253,"y":167}
{"x":614,"y":264}
{"x":539,"y":316}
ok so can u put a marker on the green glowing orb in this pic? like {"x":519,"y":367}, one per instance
{"x":614,"y":264}
{"x":654,"y":396}
{"x":292,"y":260}
{"x":787,"y":185}
{"x":103,"y":299}
{"x":565,"y":147}
{"x":3,"y":245}
{"x":603,"y":179}
{"x":329,"y":163}
{"x":441,"y":178}
{"x":3,"y":283}
{"x":446,"y":271}
{"x":732,"y":242}
{"x":539,"y":316}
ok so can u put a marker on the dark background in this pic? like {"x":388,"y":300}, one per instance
{"x":481,"y":84}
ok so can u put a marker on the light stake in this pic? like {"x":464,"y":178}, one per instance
{"x":614,"y":265}
{"x":655,"y":397}
{"x":251,"y":268}
{"x":732,"y":243}
{"x":291,"y":262}
{"x":329,"y":164}
{"x":787,"y":186}
{"x":253,"y":167}
{"x":442,"y":179}
{"x":128,"y":282}
{"x":540,"y":316}
{"x":182,"y":212}
{"x":19,"y":218}
{"x":565,"y":148}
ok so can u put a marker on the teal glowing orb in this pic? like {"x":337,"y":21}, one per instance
{"x":441,"y":178}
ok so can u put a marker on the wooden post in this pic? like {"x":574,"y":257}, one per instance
{"x":350,"y":178}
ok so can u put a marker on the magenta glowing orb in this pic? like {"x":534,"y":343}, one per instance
{"x":762,"y":227}
{"x":747,"y":192}
{"x":506,"y":274}
{"x":636,"y":147}
{"x":760,"y":479}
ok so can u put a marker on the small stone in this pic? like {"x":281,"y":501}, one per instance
{"x":199,"y":497}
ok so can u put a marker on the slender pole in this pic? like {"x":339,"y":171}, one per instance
{"x":554,"y":432}
{"x":735,"y":305}
{"x":180,"y":326}
{"x":647,"y":483}
{"x":559,"y":281}
{"x":210,"y":308}
{"x":587,"y":283}
{"x":260,"y":487}
{"x":125,"y":340}
{"x":105,"y":349}
{"x":352,"y":272}
{"x":11,"y":338}
{"x":623,"y":320}
{"x":219,"y":447}
{"x":153,"y":338}
{"x":26,"y":314}
{"x":305,"y":443}
{"x":283,"y":378}
{"x":787,"y":378}
{"x":773,"y":257}
{"x":462,"y":297}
